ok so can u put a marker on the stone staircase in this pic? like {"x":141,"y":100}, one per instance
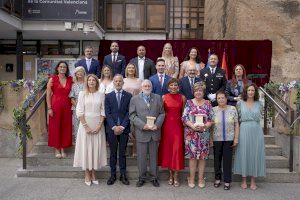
{"x":42,"y":163}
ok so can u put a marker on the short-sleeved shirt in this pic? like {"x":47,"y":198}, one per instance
{"x":224,"y":123}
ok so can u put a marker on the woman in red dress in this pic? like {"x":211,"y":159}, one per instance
{"x":59,"y":110}
{"x":171,"y":147}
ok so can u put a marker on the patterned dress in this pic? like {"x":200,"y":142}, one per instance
{"x":196,"y":143}
{"x":76,"y":88}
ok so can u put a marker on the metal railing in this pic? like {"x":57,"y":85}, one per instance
{"x":24,"y":125}
{"x":287,"y":113}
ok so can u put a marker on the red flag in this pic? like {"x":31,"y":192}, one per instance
{"x":224,"y":63}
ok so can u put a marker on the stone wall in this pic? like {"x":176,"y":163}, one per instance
{"x":8,"y":140}
{"x":276,"y":20}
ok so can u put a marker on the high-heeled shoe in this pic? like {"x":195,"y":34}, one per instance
{"x":244,"y":186}
{"x":171,"y":179}
{"x":96,"y":182}
{"x":190,"y":184}
{"x":202,"y":184}
{"x":253,"y":187}
{"x":176,"y":181}
{"x":63,"y":154}
{"x":88,"y":183}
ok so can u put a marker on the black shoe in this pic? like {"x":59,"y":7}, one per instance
{"x":124,"y":180}
{"x":140,"y":183}
{"x":226,"y":186}
{"x":111,"y":180}
{"x":217,"y":183}
{"x":155,"y":183}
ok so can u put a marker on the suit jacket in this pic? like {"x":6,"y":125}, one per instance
{"x":185,"y":87}
{"x":112,"y":112}
{"x":118,"y":67}
{"x":95,"y":67}
{"x":156,"y":87}
{"x":214,"y":82}
{"x":138,"y":111}
{"x":149,"y":67}
{"x":233,"y":91}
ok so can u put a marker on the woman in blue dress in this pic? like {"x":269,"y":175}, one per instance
{"x":250,"y":152}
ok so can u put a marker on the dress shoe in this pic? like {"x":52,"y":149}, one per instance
{"x":140,"y":183}
{"x":111,"y":180}
{"x":88,"y":183}
{"x":96,"y":182}
{"x":155,"y":183}
{"x":124,"y":180}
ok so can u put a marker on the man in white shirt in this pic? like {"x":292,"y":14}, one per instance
{"x":145,"y":66}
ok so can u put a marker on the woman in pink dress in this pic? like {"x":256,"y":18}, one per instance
{"x":132,"y":85}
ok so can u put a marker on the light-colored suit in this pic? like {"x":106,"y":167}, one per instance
{"x":138,"y":111}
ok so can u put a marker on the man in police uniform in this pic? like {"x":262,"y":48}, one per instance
{"x":214,"y":78}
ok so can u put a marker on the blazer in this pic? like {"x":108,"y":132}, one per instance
{"x":95,"y":67}
{"x":233,"y":91}
{"x":113,"y":113}
{"x":118,"y":67}
{"x":156,"y":87}
{"x":138,"y":111}
{"x":149,"y":67}
{"x":185,"y":87}
{"x":214,"y":82}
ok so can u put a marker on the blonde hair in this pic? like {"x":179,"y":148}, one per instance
{"x":77,"y":69}
{"x":135,"y":70}
{"x":199,"y":85}
{"x":102,"y":74}
{"x":164,"y":53}
{"x":86,"y":86}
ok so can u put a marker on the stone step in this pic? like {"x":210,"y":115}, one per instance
{"x":42,"y":147}
{"x":275,"y":175}
{"x":48,"y":159}
{"x":269,"y":139}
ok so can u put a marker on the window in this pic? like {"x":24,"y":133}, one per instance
{"x":136,"y":15}
{"x":114,"y":16}
{"x":156,"y":19}
{"x":186,"y":19}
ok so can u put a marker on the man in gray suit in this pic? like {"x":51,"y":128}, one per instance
{"x":143,"y":105}
{"x":145,"y":66}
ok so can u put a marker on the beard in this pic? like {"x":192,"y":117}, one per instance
{"x":147,"y":92}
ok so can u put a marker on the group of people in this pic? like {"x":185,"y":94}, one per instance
{"x":171,"y":112}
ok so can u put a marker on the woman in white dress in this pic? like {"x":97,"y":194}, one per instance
{"x":90,"y":149}
{"x":106,"y":83}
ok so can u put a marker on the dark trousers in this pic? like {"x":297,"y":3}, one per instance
{"x":223,"y":150}
{"x":116,"y":141}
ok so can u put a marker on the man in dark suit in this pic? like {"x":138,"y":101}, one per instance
{"x":91,"y":65}
{"x":214,"y":78}
{"x":145,"y":66}
{"x":160,"y":80}
{"x":117,"y":128}
{"x":187,"y":82}
{"x":115,"y":60}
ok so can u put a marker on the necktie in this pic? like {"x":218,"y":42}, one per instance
{"x":114,"y":58}
{"x":212,"y":70}
{"x":161,"y":80}
{"x":119,"y":98}
{"x":192,"y":85}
